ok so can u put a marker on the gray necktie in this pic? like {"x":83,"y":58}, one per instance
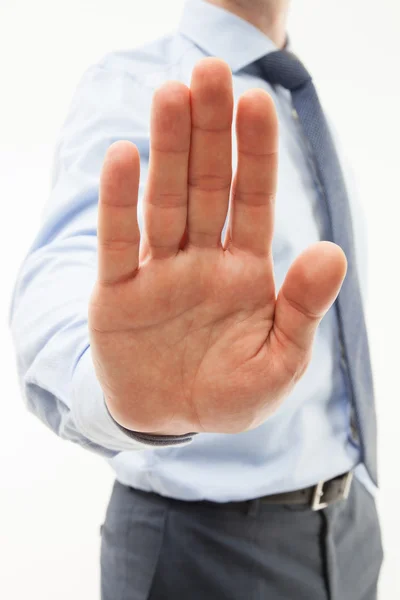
{"x":284,"y":68}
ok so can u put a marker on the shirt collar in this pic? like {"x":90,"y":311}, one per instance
{"x":222,"y":34}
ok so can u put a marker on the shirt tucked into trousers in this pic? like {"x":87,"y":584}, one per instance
{"x":156,"y":548}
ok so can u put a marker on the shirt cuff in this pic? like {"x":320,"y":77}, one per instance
{"x":94,"y":420}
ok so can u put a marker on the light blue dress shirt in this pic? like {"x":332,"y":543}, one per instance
{"x":310,"y":437}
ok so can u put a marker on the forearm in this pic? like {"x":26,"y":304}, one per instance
{"x":49,"y":308}
{"x":49,"y":326}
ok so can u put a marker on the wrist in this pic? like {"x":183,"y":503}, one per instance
{"x":144,"y":432}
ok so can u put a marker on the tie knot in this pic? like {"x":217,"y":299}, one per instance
{"x":284,"y":68}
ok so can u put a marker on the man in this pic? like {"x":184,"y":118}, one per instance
{"x":234,"y":418}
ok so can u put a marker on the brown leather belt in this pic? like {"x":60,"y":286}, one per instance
{"x":315,"y":497}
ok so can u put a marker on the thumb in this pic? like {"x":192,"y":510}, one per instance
{"x":309,"y":290}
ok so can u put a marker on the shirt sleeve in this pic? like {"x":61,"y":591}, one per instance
{"x":48,"y":310}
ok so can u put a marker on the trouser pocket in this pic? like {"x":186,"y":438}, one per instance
{"x":131,"y":540}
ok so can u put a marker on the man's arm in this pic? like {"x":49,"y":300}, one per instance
{"x":182,"y":332}
{"x":48,"y":311}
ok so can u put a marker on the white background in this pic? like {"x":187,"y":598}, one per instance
{"x":53,"y":494}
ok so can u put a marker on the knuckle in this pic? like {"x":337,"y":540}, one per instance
{"x":117,"y":245}
{"x":169,"y":200}
{"x":209,"y":182}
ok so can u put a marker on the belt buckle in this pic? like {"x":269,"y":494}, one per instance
{"x":316,"y":503}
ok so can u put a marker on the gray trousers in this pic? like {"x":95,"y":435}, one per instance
{"x":157,"y":548}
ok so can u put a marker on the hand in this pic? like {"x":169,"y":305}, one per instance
{"x":187,"y":333}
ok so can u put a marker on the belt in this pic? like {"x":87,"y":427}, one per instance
{"x":315,"y":497}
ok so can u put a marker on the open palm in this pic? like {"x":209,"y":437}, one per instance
{"x":187,"y":333}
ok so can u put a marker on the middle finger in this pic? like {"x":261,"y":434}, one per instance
{"x":210,"y":161}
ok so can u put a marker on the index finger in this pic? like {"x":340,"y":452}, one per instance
{"x":254,"y":188}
